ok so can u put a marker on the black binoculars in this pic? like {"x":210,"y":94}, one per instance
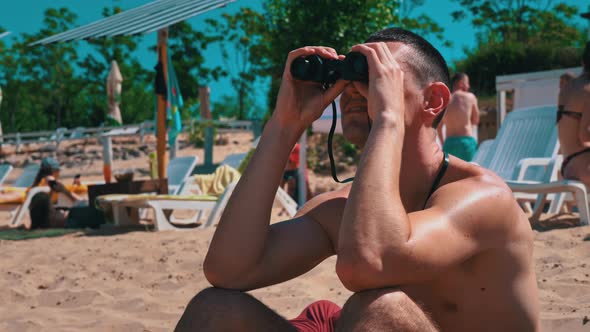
{"x":327,"y":71}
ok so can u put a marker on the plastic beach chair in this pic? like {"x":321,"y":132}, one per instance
{"x":27,"y":177}
{"x":185,"y":201}
{"x":5,"y":169}
{"x":524,"y":154}
{"x":179,"y":170}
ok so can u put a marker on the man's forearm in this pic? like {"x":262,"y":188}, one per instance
{"x":374,"y":218}
{"x":241,"y":234}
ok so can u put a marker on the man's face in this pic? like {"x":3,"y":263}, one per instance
{"x":353,"y":105}
{"x":354,"y":116}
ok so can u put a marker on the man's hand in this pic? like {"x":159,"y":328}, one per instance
{"x":299,"y":103}
{"x":385,"y":91}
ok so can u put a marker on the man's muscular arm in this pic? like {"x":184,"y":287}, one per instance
{"x":245,"y":251}
{"x":380,"y":244}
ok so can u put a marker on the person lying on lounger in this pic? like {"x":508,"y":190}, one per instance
{"x":427,"y":242}
{"x":573,"y":124}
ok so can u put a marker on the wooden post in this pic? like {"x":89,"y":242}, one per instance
{"x":205,"y":109}
{"x":107,"y":157}
{"x":161,"y":115}
{"x":500,"y":108}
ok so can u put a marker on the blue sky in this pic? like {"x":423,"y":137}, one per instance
{"x":26,"y":16}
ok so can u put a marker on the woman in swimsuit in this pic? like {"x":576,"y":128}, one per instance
{"x":573,"y":121}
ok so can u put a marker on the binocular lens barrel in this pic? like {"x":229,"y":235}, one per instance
{"x":327,"y":71}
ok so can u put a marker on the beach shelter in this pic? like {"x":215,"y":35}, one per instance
{"x":114,"y":85}
{"x":154,"y":16}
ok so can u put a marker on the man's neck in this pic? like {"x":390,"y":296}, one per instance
{"x":421,"y":161}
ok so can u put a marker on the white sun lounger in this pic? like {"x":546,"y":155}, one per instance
{"x":524,"y":154}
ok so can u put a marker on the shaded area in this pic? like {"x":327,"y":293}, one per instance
{"x":558,"y":221}
{"x":23,"y":234}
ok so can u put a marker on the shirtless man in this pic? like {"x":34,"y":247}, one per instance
{"x":462,"y":113}
{"x":421,"y":241}
{"x":573,"y":121}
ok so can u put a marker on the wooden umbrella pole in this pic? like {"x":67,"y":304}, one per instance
{"x":161,"y":116}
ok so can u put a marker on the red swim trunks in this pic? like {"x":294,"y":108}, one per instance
{"x":320,"y":316}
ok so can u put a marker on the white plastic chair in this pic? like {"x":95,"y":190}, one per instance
{"x":25,"y":180}
{"x":5,"y":169}
{"x":524,"y":154}
{"x":27,"y":177}
{"x":179,"y":170}
{"x":186,"y":201}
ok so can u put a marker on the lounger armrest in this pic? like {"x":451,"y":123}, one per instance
{"x":523,"y":165}
{"x":546,"y":187}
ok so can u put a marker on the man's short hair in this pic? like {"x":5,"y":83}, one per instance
{"x":586,"y":58}
{"x":456,"y":78}
{"x":427,"y":64}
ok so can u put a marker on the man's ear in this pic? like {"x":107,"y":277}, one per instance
{"x":436,"y":98}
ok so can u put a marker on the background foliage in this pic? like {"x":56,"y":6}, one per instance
{"x":518,"y":37}
{"x":57,"y":85}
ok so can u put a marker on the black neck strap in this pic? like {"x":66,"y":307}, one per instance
{"x":439,"y":176}
{"x":330,"y":152}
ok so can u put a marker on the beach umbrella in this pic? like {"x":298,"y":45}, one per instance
{"x":114,"y":85}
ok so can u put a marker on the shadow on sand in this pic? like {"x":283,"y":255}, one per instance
{"x":557,"y":221}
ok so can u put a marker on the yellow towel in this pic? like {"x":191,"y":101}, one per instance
{"x":12,"y":195}
{"x":215,"y":184}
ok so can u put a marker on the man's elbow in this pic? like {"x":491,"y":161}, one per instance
{"x":359,"y":272}
{"x":218,"y":276}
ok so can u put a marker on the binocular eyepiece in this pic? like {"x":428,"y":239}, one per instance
{"x":327,"y":71}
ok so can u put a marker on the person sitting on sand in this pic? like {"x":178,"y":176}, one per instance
{"x":461,"y":115}
{"x":573,"y":124}
{"x":426,"y":241}
{"x":42,"y":210}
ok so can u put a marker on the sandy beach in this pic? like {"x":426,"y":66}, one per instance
{"x":139,"y":280}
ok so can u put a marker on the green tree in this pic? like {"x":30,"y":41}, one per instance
{"x":40,"y":82}
{"x":518,"y":36}
{"x":137,"y":102}
{"x":523,"y":21}
{"x":186,"y":47}
{"x":285,"y":25}
{"x":242,"y":32}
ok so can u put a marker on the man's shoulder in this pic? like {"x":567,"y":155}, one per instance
{"x":464,"y":94}
{"x":485,"y":200}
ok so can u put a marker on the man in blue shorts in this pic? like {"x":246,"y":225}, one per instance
{"x":461,"y":115}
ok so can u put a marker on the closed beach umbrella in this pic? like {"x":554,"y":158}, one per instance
{"x":114,"y":85}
